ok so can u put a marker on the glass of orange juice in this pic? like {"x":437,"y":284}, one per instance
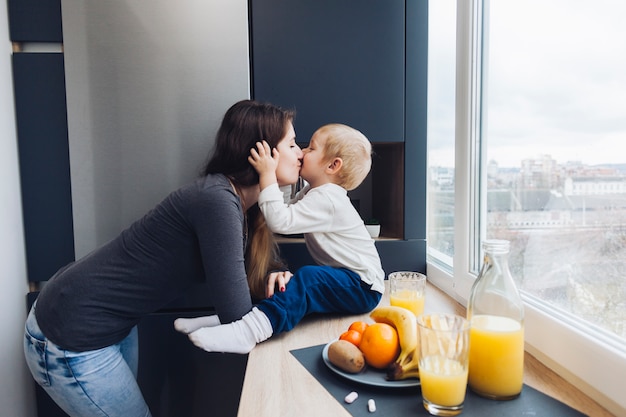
{"x":443,"y":362}
{"x":406,"y":289}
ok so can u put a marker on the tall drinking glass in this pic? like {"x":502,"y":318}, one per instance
{"x":443,"y":362}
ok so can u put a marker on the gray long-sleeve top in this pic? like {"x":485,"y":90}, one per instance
{"x":195,"y":234}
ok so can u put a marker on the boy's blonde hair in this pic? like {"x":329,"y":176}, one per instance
{"x":353,"y":148}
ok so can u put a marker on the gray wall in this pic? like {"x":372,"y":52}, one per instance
{"x":16,"y":390}
{"x":147,"y":85}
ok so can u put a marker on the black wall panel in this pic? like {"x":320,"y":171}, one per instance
{"x":40,"y":106}
{"x":395,"y":255}
{"x":416,"y":148}
{"x":333,"y":61}
{"x":35,"y":20}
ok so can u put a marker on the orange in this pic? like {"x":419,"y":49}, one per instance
{"x":380,"y":345}
{"x":359,"y":326}
{"x":351,"y":336}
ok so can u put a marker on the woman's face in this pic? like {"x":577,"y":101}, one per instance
{"x":288,"y":169}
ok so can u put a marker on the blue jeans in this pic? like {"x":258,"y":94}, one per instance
{"x":94,"y":383}
{"x":318,"y":289}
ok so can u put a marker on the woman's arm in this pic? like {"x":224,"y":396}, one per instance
{"x":218,"y":222}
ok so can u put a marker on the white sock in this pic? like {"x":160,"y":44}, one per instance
{"x":237,"y":337}
{"x":191,"y":325}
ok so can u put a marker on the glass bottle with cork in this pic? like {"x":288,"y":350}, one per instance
{"x":496,"y":314}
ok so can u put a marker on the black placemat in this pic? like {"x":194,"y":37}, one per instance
{"x":393,"y":402}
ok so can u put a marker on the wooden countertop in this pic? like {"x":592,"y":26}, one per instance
{"x":277,"y":385}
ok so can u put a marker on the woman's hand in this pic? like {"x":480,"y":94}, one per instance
{"x":264,"y":160}
{"x":277,"y":281}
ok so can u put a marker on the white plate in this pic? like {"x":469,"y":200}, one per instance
{"x":369,"y":376}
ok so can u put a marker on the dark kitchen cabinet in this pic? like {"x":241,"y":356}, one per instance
{"x":333,"y":61}
{"x":35,"y":20}
{"x":362,"y":63}
{"x":41,"y":122}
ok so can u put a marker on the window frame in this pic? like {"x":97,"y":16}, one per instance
{"x":597,"y":362}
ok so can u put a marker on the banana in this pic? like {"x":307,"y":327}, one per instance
{"x":405,"y":323}
{"x":409,"y":369}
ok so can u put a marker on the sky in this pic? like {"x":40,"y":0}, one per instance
{"x":557,"y":81}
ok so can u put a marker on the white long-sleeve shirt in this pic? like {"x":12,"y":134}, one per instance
{"x":334,"y":232}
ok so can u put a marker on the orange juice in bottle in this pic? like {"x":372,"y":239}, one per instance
{"x":496,"y":356}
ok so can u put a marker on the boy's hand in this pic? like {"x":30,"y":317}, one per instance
{"x":265,"y":162}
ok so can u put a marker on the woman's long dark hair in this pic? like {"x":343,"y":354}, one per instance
{"x":244,"y":124}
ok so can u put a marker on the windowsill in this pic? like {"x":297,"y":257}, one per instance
{"x":284,"y":239}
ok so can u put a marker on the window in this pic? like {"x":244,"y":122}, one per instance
{"x":531,"y":154}
{"x":441,"y":88}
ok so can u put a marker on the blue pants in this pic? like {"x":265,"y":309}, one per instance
{"x":318,"y":289}
{"x":94,"y":383}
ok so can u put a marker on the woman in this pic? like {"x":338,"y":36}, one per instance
{"x":81,"y":336}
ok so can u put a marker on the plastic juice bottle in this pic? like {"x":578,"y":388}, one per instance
{"x":409,"y":300}
{"x":496,"y":314}
{"x":443,"y":388}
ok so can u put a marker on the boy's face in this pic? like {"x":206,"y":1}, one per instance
{"x":314,"y":162}
{"x":288,"y":169}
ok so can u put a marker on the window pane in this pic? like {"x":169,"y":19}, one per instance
{"x":441,"y":102}
{"x":555,"y":131}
